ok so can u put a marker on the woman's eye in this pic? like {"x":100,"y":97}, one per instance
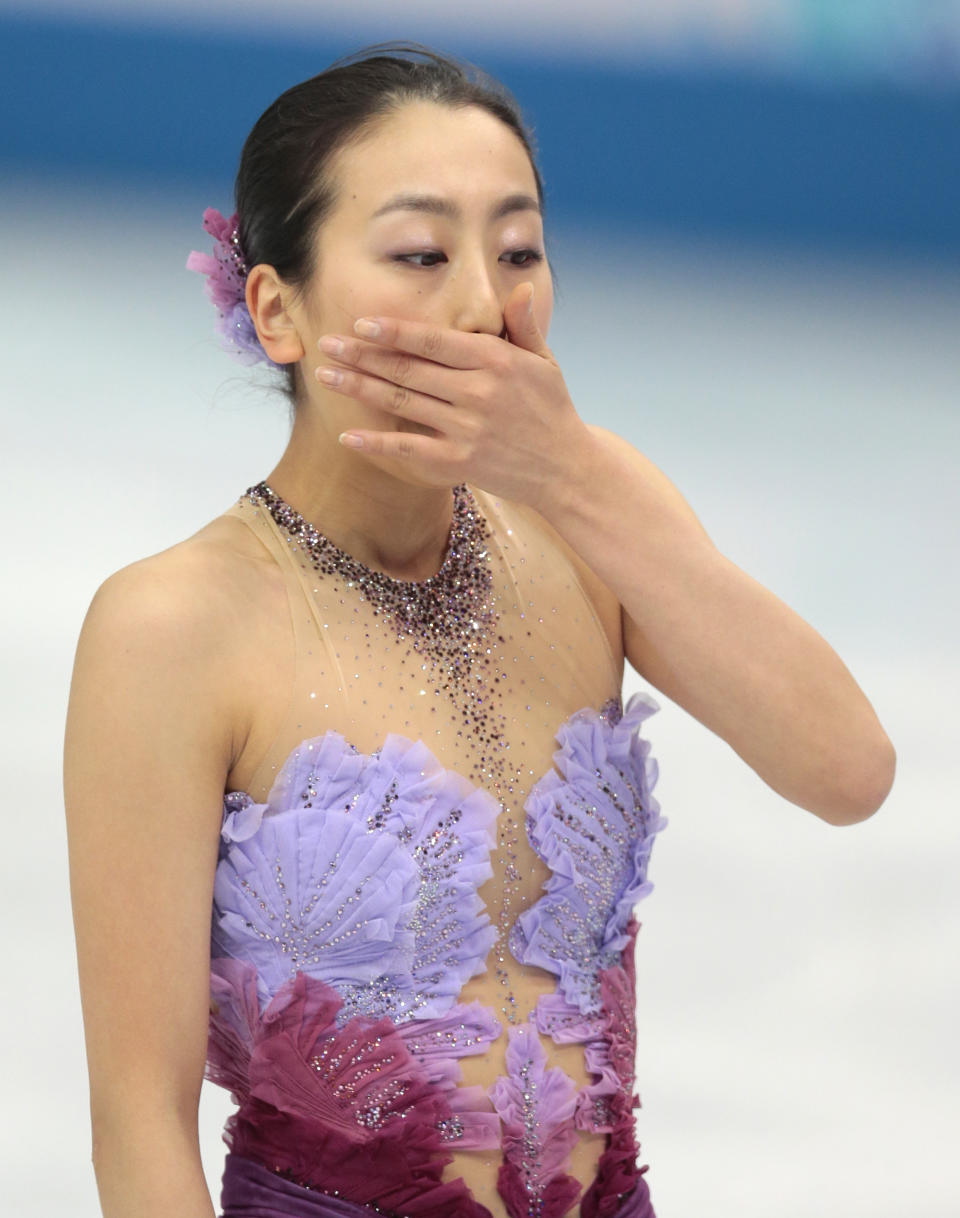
{"x":528,"y":257}
{"x":517,"y":258}
{"x":408,"y":258}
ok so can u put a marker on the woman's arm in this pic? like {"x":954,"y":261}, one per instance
{"x":717,"y":642}
{"x":148,"y":745}
{"x":694,"y":625}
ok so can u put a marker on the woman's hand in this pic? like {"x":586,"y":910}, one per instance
{"x":502,"y":417}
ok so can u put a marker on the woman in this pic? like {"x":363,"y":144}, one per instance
{"x":371,"y":714}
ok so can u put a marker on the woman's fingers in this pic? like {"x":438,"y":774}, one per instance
{"x":400,"y":445}
{"x":390,"y":397}
{"x":454,"y":348}
{"x":398,"y":367}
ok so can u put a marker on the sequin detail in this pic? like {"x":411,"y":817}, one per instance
{"x":347,"y":902}
{"x":451,"y":620}
{"x":445,"y":615}
{"x":536,"y":1106}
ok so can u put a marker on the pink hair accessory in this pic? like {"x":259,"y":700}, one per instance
{"x":226,"y":270}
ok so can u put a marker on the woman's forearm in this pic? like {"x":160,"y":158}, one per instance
{"x":716,"y":641}
{"x":151,"y":1169}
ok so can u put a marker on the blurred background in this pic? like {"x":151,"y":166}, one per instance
{"x":752,"y":207}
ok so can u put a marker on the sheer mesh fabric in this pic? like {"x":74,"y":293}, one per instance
{"x":418,"y":726}
{"x":356,"y":676}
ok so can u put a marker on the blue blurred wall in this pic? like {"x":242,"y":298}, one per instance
{"x":714,"y":151}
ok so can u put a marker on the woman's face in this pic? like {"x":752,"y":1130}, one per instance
{"x":436,"y":221}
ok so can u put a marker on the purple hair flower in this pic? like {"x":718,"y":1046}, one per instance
{"x":226,"y":270}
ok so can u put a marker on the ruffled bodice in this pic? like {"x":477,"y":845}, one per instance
{"x":416,"y":1011}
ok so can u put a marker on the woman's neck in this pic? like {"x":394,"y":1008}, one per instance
{"x":384,"y":522}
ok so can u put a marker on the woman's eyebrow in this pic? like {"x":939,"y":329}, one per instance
{"x":436,"y":205}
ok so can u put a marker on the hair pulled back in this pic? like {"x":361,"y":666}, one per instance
{"x":283,"y":189}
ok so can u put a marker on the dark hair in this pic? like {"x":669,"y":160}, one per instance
{"x":282,"y":190}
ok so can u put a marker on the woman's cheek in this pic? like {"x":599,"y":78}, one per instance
{"x":412,"y":303}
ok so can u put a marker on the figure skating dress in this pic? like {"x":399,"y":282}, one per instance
{"x":423,"y":991}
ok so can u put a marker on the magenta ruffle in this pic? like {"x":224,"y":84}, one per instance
{"x":593,"y":820}
{"x":619,"y":1189}
{"x":235,"y":1026}
{"x":611,"y":1056}
{"x":349,"y":1111}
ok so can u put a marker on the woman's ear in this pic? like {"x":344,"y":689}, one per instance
{"x":268,"y":302}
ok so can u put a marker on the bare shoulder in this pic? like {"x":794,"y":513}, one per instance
{"x":203,"y":590}
{"x":202,"y":623}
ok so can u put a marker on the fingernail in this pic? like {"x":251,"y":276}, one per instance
{"x":331,"y":344}
{"x":530,"y":301}
{"x":350,"y":440}
{"x":366,"y":328}
{"x":333,"y":376}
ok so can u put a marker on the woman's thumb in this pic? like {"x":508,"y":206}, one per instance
{"x":521,"y":323}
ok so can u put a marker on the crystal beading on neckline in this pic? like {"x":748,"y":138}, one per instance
{"x":464,"y":546}
{"x":447,"y":614}
{"x":451,"y":620}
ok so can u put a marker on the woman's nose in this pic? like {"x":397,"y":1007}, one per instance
{"x":476,"y":305}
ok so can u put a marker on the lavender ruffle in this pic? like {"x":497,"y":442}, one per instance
{"x":361,"y":870}
{"x":592,"y":819}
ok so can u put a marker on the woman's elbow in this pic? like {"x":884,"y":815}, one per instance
{"x":867,"y":785}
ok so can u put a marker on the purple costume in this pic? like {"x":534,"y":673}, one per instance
{"x":416,"y":915}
